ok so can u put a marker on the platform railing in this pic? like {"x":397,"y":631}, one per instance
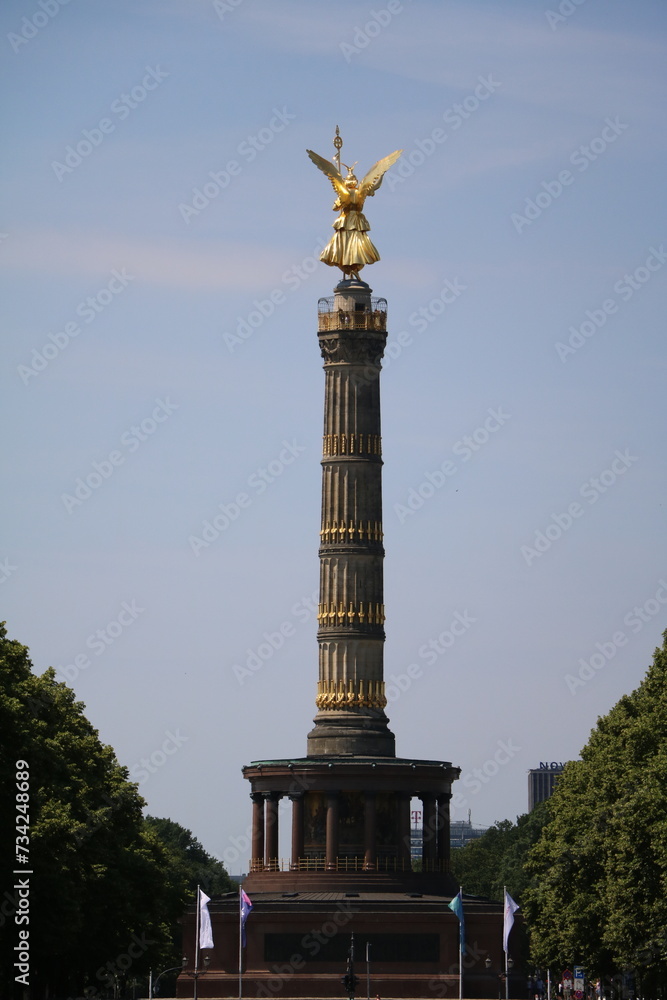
{"x":353,"y":863}
{"x":329,"y":318}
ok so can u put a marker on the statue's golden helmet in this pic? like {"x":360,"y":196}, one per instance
{"x":351,"y":181}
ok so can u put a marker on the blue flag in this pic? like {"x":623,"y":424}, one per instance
{"x":457,"y":906}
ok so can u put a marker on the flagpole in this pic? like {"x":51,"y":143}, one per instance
{"x":197,"y":943}
{"x":507,"y":983}
{"x":368,"y":970}
{"x":506,"y":943}
{"x":461,"y":950}
{"x":240,"y":944}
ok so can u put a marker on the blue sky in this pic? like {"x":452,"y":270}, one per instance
{"x":160,"y":231}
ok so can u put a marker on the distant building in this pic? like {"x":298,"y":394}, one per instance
{"x":542,"y":781}
{"x":460,"y":833}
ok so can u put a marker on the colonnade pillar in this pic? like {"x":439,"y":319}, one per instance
{"x":404,"y":846}
{"x":271,"y":846}
{"x":429,"y":825}
{"x":296,"y":799}
{"x":443,"y":831}
{"x":370,"y":832}
{"x":332,"y":831}
{"x":435,"y":832}
{"x":257,"y":840}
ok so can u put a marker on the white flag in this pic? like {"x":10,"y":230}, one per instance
{"x":205,"y":931}
{"x":508,"y":921}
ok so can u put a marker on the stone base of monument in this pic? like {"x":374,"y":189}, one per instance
{"x":298,"y":946}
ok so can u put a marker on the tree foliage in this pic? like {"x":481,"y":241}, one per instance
{"x":598,"y":893}
{"x":190,"y":866}
{"x":497,"y":859}
{"x":196,"y":865}
{"x":105,"y":890}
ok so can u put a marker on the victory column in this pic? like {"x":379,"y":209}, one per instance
{"x":348,"y":801}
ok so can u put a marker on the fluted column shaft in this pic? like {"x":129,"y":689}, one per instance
{"x":351,"y":607}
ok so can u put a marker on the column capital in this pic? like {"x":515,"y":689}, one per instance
{"x":353,"y":347}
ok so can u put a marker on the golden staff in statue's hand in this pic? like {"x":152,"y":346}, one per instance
{"x":350,"y":248}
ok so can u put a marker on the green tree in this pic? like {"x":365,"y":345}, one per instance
{"x":196,"y":866}
{"x":598,"y":894}
{"x":498,"y":857}
{"x":190,"y":866}
{"x":102,"y":895}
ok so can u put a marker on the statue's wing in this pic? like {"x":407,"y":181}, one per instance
{"x":373,"y":178}
{"x":327,"y":167}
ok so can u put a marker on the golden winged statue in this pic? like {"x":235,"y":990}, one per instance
{"x":350,"y":248}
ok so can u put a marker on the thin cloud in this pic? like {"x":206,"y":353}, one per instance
{"x":176,"y":264}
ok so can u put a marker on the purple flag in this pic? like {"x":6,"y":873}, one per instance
{"x":246,"y":907}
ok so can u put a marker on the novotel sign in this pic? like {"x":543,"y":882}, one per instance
{"x":553,"y":766}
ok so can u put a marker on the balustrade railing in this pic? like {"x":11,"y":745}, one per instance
{"x":353,"y":863}
{"x":329,"y":318}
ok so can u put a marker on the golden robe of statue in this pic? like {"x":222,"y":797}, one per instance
{"x":351,"y":247}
